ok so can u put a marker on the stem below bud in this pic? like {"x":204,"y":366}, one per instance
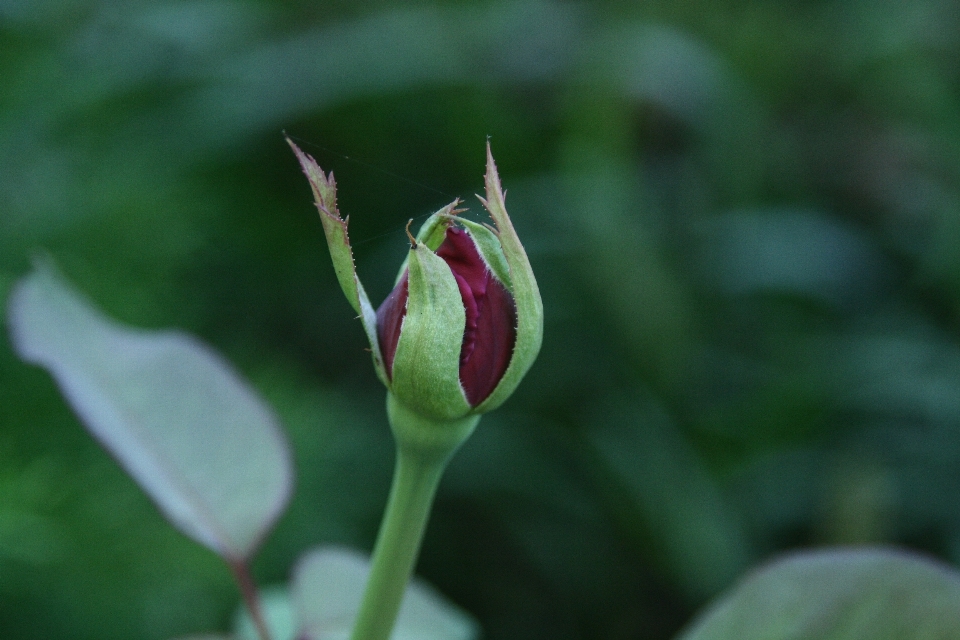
{"x":423,"y":448}
{"x":424,"y":437}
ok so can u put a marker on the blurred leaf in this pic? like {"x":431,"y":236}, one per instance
{"x":790,"y":250}
{"x":29,"y":537}
{"x":671,"y":498}
{"x":850,"y":594}
{"x":328,"y":587}
{"x":516,"y":510}
{"x":680,"y":76}
{"x":626,"y":268}
{"x":384,"y":51}
{"x":177,"y":417}
{"x":909,"y":371}
{"x":278,"y":613}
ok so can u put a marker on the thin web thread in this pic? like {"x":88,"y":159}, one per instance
{"x":368,"y":165}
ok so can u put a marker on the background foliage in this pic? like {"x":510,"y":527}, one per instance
{"x":745,"y":220}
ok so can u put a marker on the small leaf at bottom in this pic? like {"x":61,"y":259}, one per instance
{"x":844,"y":594}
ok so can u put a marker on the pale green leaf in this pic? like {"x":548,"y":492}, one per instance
{"x":177,"y":417}
{"x":844,"y":594}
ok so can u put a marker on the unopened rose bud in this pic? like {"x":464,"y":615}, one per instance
{"x":464,"y":322}
{"x":484,"y":328}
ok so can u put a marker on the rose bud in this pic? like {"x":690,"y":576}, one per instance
{"x":464,"y":322}
{"x":467,"y":307}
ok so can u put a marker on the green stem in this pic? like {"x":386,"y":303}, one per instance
{"x":398,"y":544}
{"x":423,"y":449}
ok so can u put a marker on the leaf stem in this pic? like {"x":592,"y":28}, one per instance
{"x":251,"y":596}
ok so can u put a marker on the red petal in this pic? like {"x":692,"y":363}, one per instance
{"x":496,"y":335}
{"x":491,"y":317}
{"x":389,"y":320}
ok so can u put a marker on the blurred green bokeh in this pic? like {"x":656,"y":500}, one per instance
{"x":745,"y":221}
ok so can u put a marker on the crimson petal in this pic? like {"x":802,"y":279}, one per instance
{"x":390,"y":319}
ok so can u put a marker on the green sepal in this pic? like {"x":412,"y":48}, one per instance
{"x":426,"y":366}
{"x":433,"y":231}
{"x":488,"y":245}
{"x":524,"y":288}
{"x":335,"y":229}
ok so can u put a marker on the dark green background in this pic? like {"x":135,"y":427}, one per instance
{"x":745,"y":222}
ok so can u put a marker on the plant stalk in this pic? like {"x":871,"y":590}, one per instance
{"x":423,"y":448}
{"x":415,"y":481}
